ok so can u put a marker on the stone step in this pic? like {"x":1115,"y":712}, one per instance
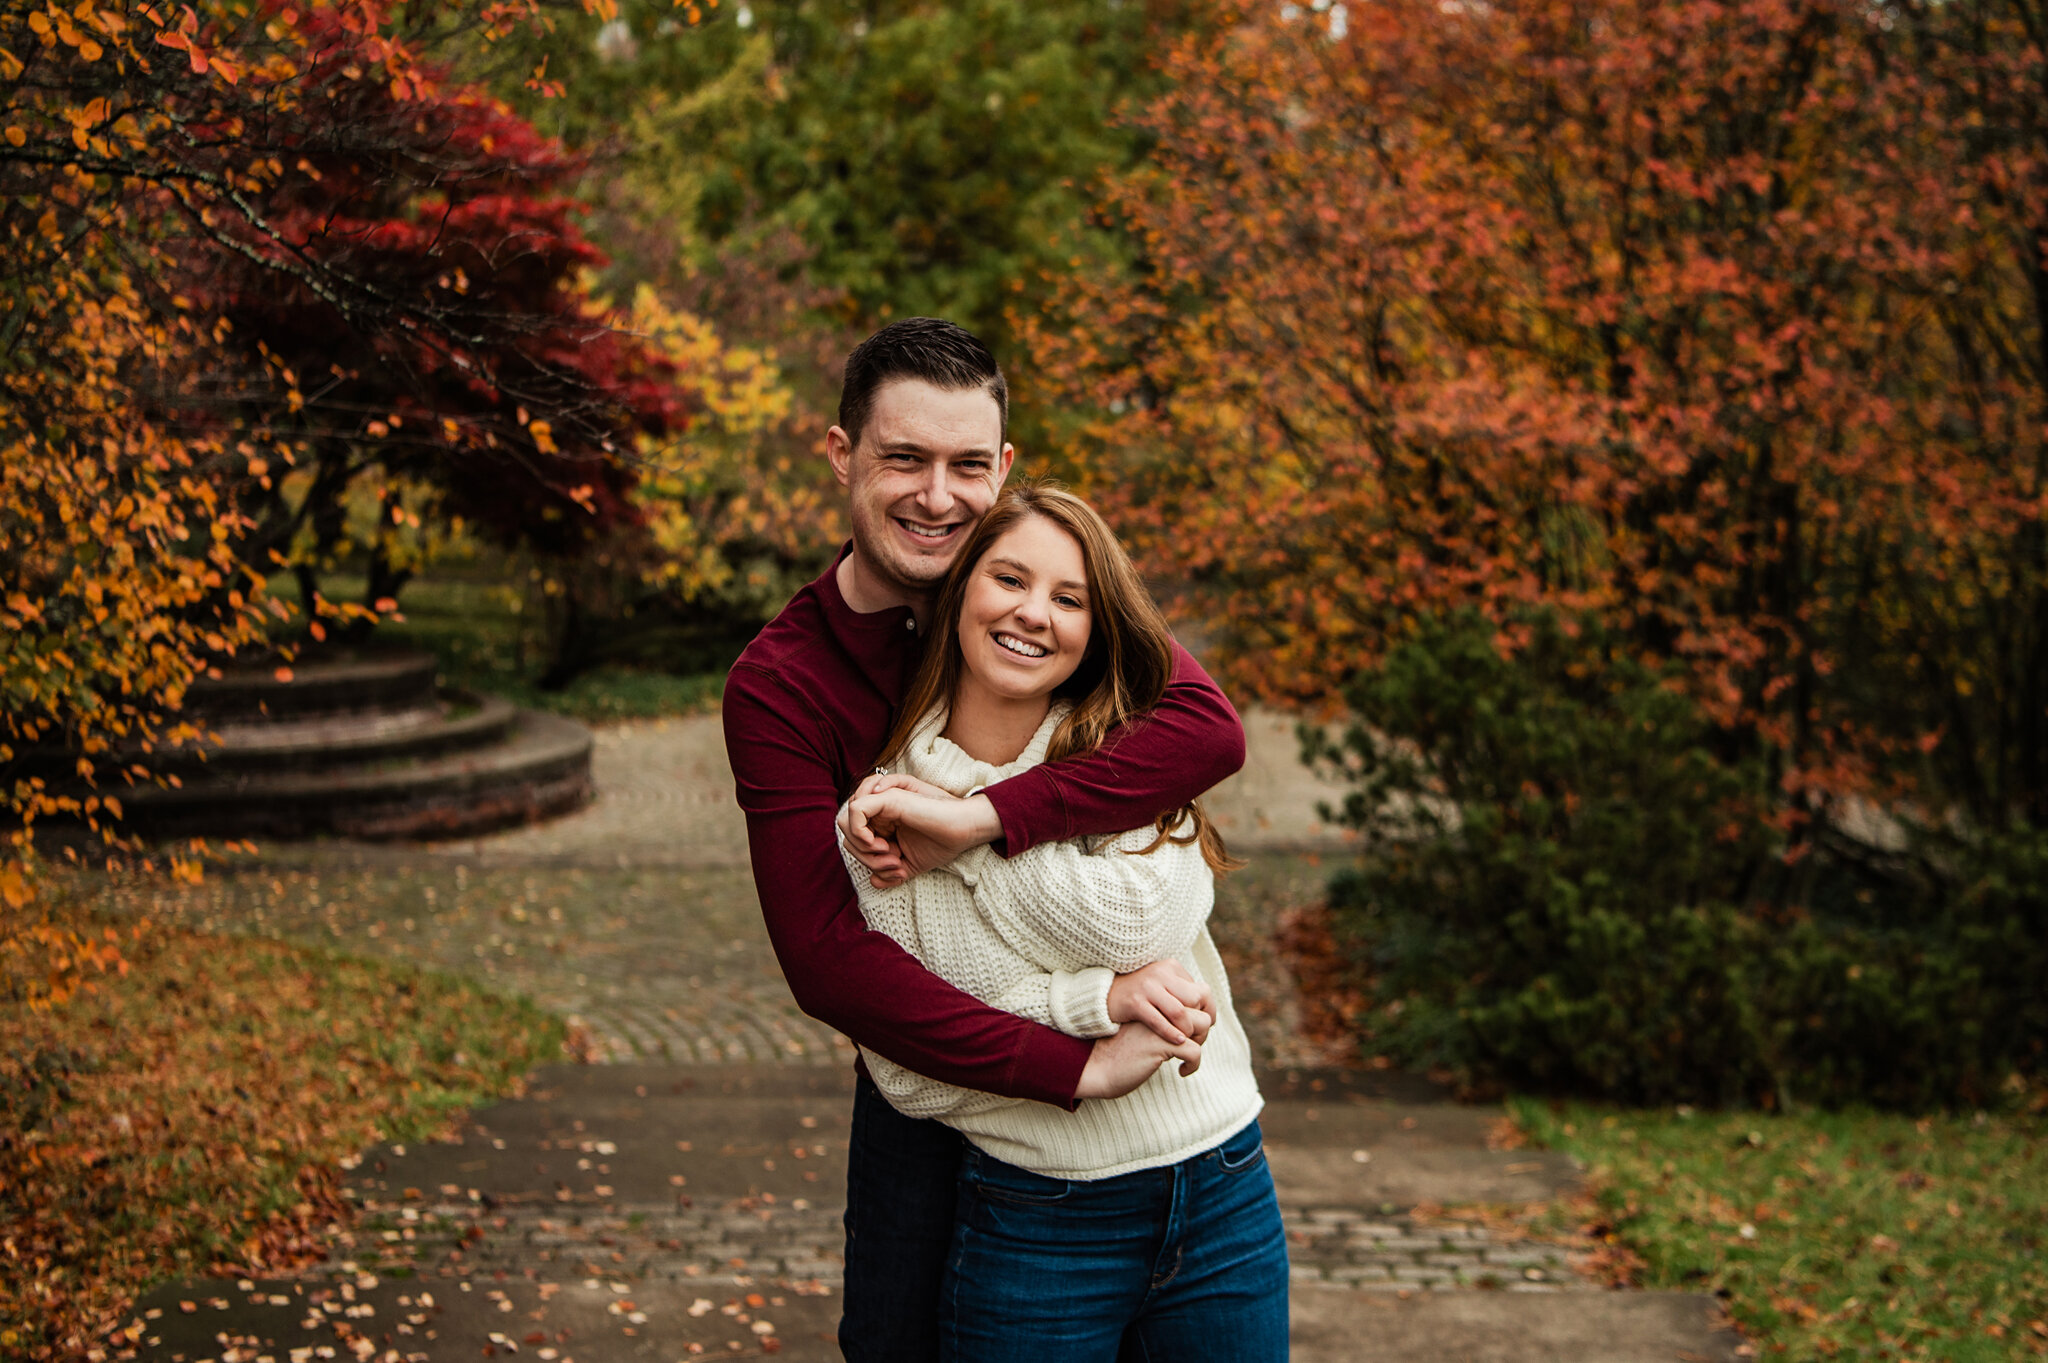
{"x":539,"y":768}
{"x":345,"y":683}
{"x":450,"y":722}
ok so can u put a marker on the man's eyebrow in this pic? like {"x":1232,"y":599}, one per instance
{"x":1025,"y":568}
{"x":912,"y":447}
{"x":899,"y":447}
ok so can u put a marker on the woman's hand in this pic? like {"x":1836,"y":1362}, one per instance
{"x":1118,"y":1064}
{"x":1166,"y":998}
{"x":882,"y":780}
{"x":899,"y":826}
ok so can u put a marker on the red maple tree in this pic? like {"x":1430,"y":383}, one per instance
{"x":1721,"y":322}
{"x":412,"y":295}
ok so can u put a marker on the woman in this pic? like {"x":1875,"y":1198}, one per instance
{"x":1152,"y":1214}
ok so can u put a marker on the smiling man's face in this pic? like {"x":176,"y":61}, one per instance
{"x":929,"y":463}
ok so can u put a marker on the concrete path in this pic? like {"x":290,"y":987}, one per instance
{"x":638,"y":1211}
{"x":665,"y":798}
{"x":683,"y":1200}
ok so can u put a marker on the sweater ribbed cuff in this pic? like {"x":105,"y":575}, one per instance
{"x":968,"y":864}
{"x":1080,"y":1001}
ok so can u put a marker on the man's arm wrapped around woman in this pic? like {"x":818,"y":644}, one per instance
{"x":1072,"y":1001}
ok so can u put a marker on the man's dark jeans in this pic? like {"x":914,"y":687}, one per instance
{"x":901,"y":1190}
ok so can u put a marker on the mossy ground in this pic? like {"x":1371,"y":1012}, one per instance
{"x":1849,"y":1234}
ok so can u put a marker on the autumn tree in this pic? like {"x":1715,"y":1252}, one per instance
{"x":415,"y":287}
{"x":1634,"y":409}
{"x":117,"y":582}
{"x":1721,"y":324}
{"x":239,"y":244}
{"x":802,"y":173}
{"x":1953,"y":641}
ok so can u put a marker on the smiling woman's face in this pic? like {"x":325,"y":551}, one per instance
{"x":1025,"y":620}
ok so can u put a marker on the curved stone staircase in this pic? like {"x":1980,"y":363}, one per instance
{"x":360,"y":746}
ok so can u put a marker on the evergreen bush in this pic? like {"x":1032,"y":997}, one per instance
{"x":1569,"y":883}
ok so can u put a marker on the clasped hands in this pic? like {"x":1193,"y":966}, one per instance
{"x":898,"y":826}
{"x":1163,"y":1013}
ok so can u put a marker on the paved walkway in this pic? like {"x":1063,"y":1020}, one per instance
{"x":636,"y":916}
{"x":683,"y":1199}
{"x":665,"y":798}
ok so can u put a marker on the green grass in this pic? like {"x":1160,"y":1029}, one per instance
{"x":1852,"y":1235}
{"x":189,"y":1114}
{"x":484,"y":645}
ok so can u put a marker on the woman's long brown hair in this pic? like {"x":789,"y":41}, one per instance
{"x":1123,"y":674}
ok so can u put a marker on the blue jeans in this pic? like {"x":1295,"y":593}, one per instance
{"x":1185,"y":1264}
{"x":900,"y":1180}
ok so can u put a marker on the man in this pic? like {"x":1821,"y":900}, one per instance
{"x":921,"y":451}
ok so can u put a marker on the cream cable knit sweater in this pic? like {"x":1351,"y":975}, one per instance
{"x":1043,"y":935}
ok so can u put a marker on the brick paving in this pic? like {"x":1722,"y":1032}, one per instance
{"x":797,"y":1245}
{"x":635,"y":919}
{"x":1341,"y":1245}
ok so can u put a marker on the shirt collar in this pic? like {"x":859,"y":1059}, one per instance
{"x":883,"y":643}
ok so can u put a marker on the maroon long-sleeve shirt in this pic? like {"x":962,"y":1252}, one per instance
{"x":807,"y":708}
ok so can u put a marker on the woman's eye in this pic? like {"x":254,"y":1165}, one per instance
{"x":1072,"y":603}
{"x":1008,"y":580}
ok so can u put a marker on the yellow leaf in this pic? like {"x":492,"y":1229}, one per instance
{"x":16,"y":136}
{"x":14,"y":887}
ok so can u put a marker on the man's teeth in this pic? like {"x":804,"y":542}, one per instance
{"x":937,"y":532}
{"x":1019,"y":646}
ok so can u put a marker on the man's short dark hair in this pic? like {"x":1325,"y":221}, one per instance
{"x":928,"y":348}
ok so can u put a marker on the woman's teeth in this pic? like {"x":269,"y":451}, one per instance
{"x":1020,"y":647}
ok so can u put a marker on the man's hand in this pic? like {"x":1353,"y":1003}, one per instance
{"x":1118,"y":1064}
{"x":899,"y":826}
{"x":1164,"y":997}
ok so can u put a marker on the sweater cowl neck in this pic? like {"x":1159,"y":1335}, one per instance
{"x":935,"y":758}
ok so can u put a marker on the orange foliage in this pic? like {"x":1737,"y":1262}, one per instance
{"x":188,"y":1120}
{"x":117,"y":580}
{"x":1720,"y":321}
{"x":180,"y":307}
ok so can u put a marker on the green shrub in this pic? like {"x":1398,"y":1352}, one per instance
{"x":1570,"y":884}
